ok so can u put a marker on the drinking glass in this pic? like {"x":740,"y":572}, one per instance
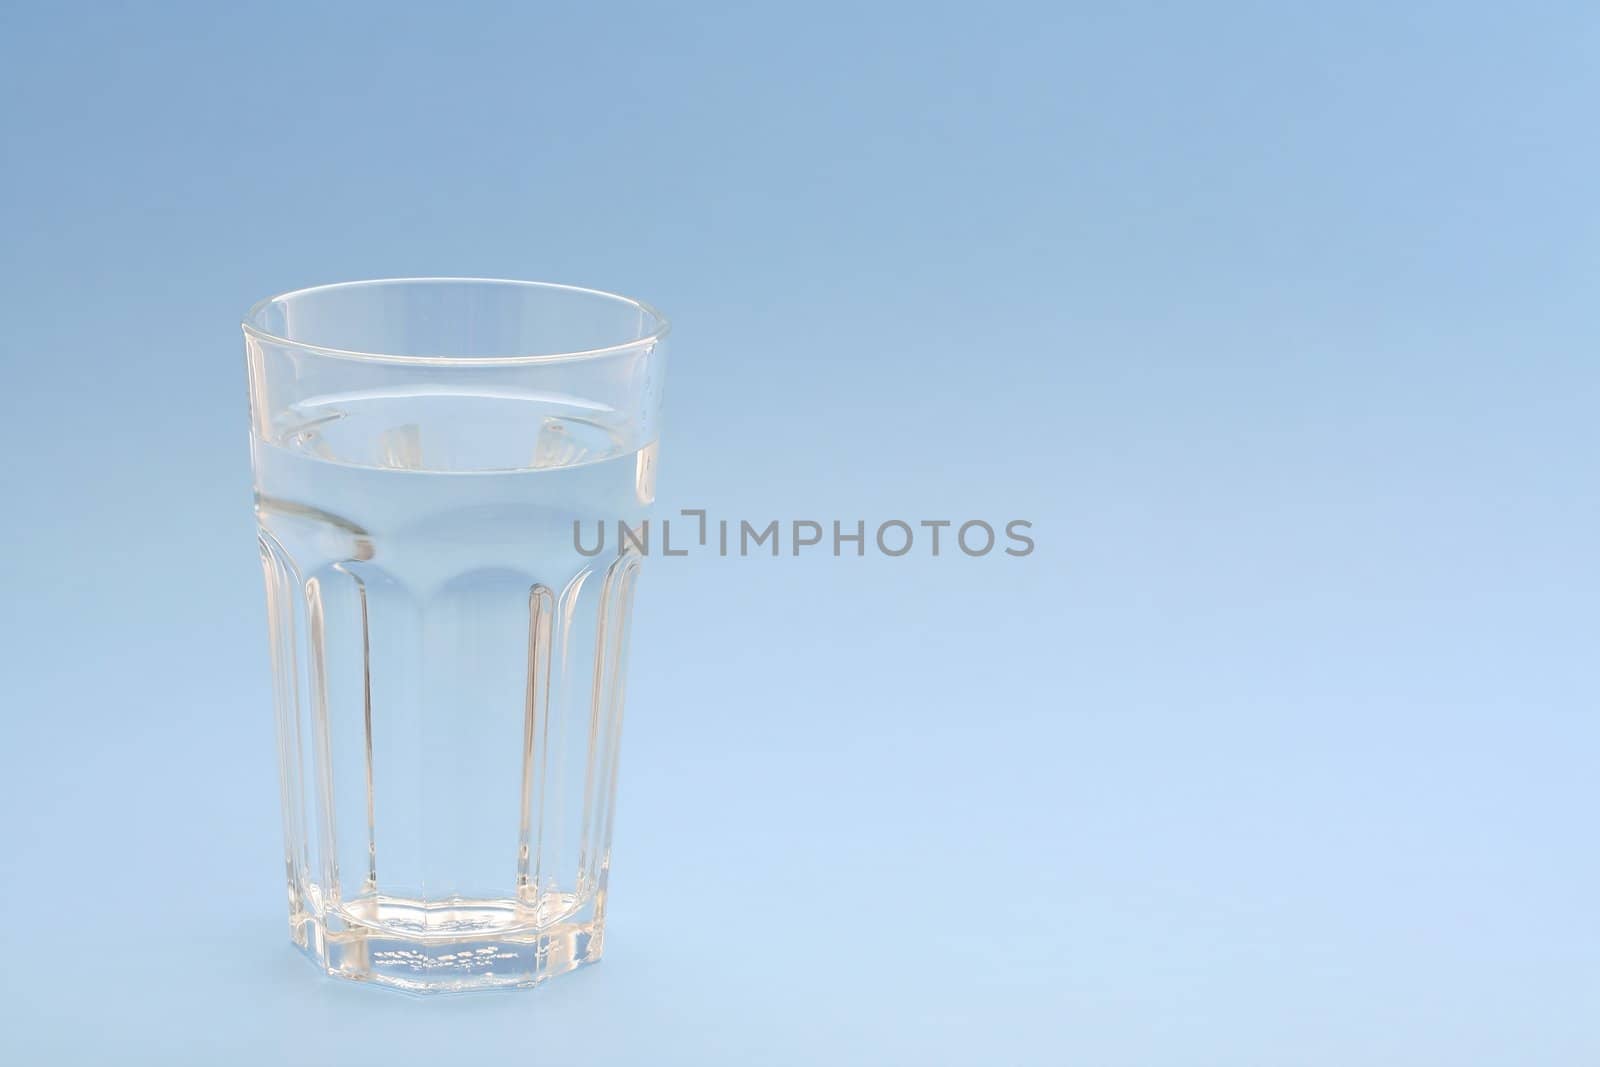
{"x":447,"y":652}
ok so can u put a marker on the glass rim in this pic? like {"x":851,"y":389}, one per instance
{"x":659,"y":330}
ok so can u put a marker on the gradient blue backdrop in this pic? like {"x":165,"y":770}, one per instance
{"x":1277,"y":320}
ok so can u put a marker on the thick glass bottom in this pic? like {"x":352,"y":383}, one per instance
{"x":452,"y":946}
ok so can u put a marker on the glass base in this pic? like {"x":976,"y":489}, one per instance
{"x":452,"y":947}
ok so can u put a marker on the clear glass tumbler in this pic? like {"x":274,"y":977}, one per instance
{"x":447,"y":654}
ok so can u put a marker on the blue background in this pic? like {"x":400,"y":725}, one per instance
{"x":1277,"y":320}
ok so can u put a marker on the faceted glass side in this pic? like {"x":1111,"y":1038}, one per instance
{"x":434,"y":842}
